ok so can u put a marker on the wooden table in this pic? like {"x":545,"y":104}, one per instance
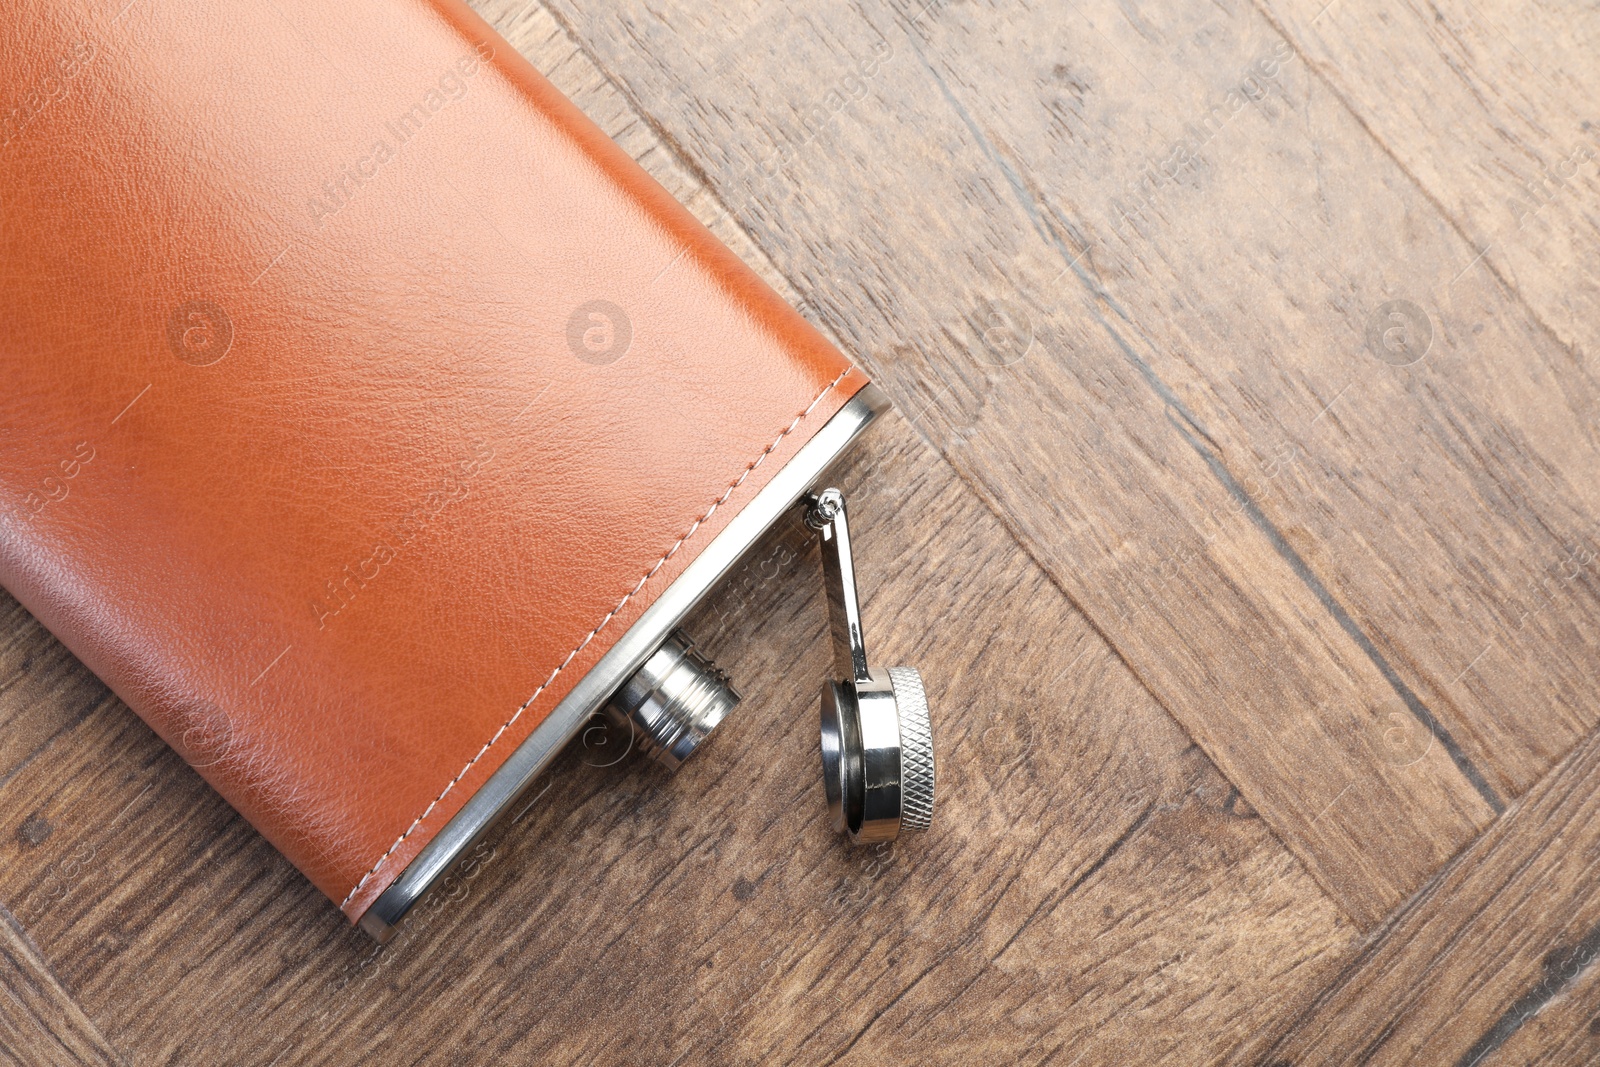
{"x":1241,"y":511}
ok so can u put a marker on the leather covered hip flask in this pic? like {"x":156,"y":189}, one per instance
{"x":369,"y":421}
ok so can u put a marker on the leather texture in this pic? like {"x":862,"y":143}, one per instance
{"x":356,"y":393}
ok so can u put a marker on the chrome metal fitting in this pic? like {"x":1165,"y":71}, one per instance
{"x":877,"y":742}
{"x":672,"y":703}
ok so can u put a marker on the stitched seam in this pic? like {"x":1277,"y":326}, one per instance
{"x":726,"y":493}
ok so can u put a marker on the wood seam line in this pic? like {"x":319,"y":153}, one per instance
{"x":1330,"y":603}
{"x":1317,"y":72}
{"x":37,"y":959}
{"x":1028,"y":201}
{"x":1375,"y":940}
{"x":1362,"y":954}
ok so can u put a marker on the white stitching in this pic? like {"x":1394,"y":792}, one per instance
{"x":601,"y":626}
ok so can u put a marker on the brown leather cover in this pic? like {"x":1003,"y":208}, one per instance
{"x":357,"y":394}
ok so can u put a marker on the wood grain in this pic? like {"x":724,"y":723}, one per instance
{"x":1563,"y":1030}
{"x":47,"y":689}
{"x":1509,"y":930}
{"x":1300,"y":547}
{"x":1490,"y":108}
{"x":40,"y":1024}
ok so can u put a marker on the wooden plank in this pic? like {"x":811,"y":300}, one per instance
{"x":1084,"y":982}
{"x":43,"y":691}
{"x":1490,"y":110}
{"x":1166,"y":388}
{"x":1468,"y":971}
{"x":40,"y":1024}
{"x":1541,"y":1031}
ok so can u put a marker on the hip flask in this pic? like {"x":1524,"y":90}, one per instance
{"x":369,"y":434}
